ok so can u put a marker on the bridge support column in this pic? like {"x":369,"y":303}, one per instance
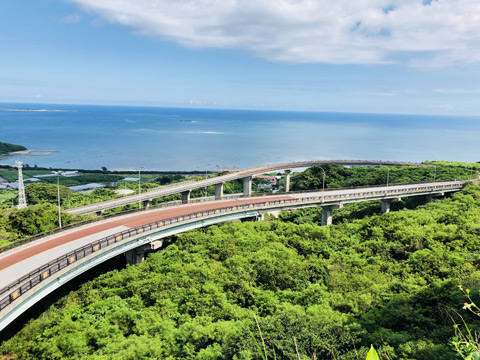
{"x":146,"y":204}
{"x":428,"y":199}
{"x":386,"y":205}
{"x":136,"y":256}
{"x":327,"y":212}
{"x":431,"y":197}
{"x":218,"y":191}
{"x":259,"y":217}
{"x":186,"y":196}
{"x":247,"y":186}
{"x":287,"y":180}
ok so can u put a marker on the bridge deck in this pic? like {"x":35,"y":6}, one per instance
{"x":26,"y":259}
{"x":196,"y":184}
{"x":23,"y":269}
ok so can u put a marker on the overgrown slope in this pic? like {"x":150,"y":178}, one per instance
{"x":389,"y":280}
{"x":6,"y":148}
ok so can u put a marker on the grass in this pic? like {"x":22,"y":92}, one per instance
{"x":9,"y":175}
{"x":12,"y":175}
{"x":7,"y":195}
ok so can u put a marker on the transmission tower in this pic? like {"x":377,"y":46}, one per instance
{"x":22,"y":203}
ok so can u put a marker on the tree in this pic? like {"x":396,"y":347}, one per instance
{"x":40,"y":193}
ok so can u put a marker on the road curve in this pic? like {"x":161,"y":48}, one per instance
{"x":197,"y":184}
{"x":31,"y":271}
{"x":17,"y":256}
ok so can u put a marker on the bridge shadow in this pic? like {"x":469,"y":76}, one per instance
{"x":40,"y":307}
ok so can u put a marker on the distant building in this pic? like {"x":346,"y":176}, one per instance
{"x":86,"y":187}
{"x":270,"y":179}
{"x":11,"y":185}
{"x":44,"y":176}
{"x":132,"y":179}
{"x":264,"y":186}
{"x":69,"y":173}
{"x":111,"y":183}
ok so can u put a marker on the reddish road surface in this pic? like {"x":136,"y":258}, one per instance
{"x":131,"y":221}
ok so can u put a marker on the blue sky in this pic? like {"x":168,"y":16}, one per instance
{"x":379,"y":56}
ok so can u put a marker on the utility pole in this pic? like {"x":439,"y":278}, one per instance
{"x":22,"y":203}
{"x":139,"y":189}
{"x":58,"y":198}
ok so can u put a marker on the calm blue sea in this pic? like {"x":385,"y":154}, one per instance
{"x":90,"y":137}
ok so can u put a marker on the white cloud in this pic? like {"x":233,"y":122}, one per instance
{"x":456,"y":91}
{"x":441,"y":32}
{"x":378,"y":93}
{"x":443,"y":107}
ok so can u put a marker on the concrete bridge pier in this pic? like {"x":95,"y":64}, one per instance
{"x":287,"y":180}
{"x":259,"y":217}
{"x":136,"y":256}
{"x":186,"y":196}
{"x":327,"y":213}
{"x":219,"y":191}
{"x":247,"y":186}
{"x":429,"y":198}
{"x":386,"y":205}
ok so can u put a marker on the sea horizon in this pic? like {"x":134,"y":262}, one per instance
{"x":187,"y":139}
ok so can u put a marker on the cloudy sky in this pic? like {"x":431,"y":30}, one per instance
{"x":391,"y":56}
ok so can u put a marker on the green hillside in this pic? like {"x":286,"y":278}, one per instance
{"x":6,"y":148}
{"x":389,"y":280}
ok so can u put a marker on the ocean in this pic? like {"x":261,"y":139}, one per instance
{"x":89,"y":137}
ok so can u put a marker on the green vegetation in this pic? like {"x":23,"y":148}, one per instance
{"x":7,"y":195}
{"x":312,"y":178}
{"x":388,"y":280}
{"x":16,"y":224}
{"x":46,"y":193}
{"x":9,"y":175}
{"x":337,"y":176}
{"x":455,"y":163}
{"x":6,"y":148}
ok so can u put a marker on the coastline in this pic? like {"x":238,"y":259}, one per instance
{"x":34,"y":110}
{"x":32,"y":153}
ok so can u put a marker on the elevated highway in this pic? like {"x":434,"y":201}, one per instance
{"x":31,"y":271}
{"x":186,"y":187}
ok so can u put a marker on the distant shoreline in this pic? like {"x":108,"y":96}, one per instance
{"x":32,"y":152}
{"x":34,"y":110}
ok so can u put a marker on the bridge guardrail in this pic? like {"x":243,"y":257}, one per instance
{"x":170,"y":204}
{"x":232,"y":175}
{"x":44,"y":272}
{"x":27,"y":282}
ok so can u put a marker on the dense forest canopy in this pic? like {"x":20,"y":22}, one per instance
{"x":389,"y":280}
{"x":337,"y":176}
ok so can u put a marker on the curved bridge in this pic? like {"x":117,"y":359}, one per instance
{"x":185,"y":187}
{"x":30,"y":272}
